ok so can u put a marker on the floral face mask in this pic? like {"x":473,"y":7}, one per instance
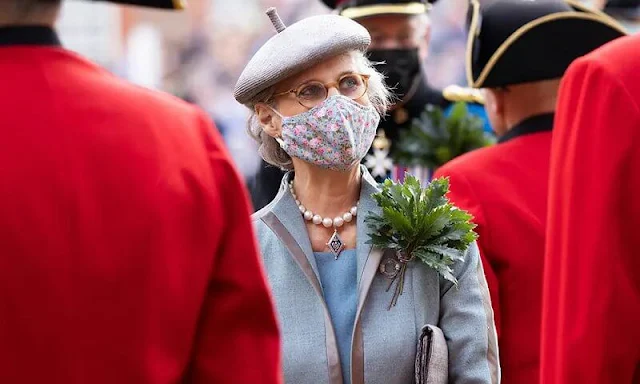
{"x":335,"y":134}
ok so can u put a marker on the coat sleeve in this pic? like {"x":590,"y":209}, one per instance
{"x":466,"y":319}
{"x":591,"y":302}
{"x":461,"y":194}
{"x":238,"y":337}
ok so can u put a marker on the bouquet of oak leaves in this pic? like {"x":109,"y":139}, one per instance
{"x":434,"y":139}
{"x":420,"y":224}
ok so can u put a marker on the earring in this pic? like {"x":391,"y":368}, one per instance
{"x":280,"y":141}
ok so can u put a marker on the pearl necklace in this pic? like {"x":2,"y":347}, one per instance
{"x":335,"y":243}
{"x":338,"y":222}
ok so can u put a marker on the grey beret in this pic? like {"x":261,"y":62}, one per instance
{"x":296,"y":48}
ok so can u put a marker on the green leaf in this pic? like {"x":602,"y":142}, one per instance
{"x":433,"y":139}
{"x":448,"y":275}
{"x":443,"y":154}
{"x":436,"y":221}
{"x":397,"y":220}
{"x":421,"y":222}
{"x":451,"y":253}
{"x":459,"y":111}
{"x":435,"y":193}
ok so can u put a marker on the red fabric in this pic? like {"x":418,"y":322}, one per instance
{"x":591,"y":316}
{"x":126,"y":249}
{"x":505,"y":188}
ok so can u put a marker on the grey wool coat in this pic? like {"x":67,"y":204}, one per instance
{"x":384,"y":341}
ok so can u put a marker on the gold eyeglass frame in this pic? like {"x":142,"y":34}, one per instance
{"x":327,"y":86}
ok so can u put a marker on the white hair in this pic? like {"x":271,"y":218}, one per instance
{"x":379,"y":96}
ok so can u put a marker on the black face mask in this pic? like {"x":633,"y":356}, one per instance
{"x":400,"y":67}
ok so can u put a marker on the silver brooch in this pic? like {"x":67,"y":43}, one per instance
{"x":389,"y":267}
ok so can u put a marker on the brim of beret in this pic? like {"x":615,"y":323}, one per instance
{"x":297,"y":48}
{"x":541,"y":49}
{"x":160,"y":4}
{"x":364,"y":11}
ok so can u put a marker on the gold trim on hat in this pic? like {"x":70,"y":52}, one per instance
{"x":180,"y":4}
{"x":474,"y":32}
{"x":373,"y":10}
{"x":588,"y":14}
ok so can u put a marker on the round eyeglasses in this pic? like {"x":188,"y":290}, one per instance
{"x":312,"y":93}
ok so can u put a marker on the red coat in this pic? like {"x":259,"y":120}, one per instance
{"x":591,"y":315}
{"x":505,"y":188}
{"x":126,"y":249}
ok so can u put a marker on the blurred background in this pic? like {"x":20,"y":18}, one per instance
{"x":199,"y":53}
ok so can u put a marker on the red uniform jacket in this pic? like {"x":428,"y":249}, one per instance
{"x":126,"y":251}
{"x":505,"y":188}
{"x":591,"y":312}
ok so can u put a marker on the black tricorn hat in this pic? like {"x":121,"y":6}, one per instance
{"x":357,"y":9}
{"x":162,"y":4}
{"x":520,"y":41}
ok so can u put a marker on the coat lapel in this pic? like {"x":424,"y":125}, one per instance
{"x":287,"y":212}
{"x":367,"y":206}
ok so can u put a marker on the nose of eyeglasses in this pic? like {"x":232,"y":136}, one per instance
{"x":332,"y":91}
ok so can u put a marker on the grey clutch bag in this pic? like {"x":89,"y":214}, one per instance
{"x":432,"y":357}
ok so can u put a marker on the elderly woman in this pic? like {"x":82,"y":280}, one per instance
{"x":316,"y":103}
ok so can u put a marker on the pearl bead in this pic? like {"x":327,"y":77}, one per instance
{"x":336,"y":222}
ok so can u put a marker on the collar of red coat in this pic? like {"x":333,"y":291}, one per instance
{"x":28,"y":35}
{"x":533,"y":124}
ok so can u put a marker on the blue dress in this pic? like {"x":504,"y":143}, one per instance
{"x":339,"y":284}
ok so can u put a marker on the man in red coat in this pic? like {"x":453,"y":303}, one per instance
{"x":591,"y":302}
{"x":517,"y":51}
{"x":126,"y":249}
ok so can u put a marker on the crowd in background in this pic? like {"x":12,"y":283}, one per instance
{"x":204,"y":49}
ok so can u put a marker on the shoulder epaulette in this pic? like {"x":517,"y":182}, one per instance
{"x":456,"y":93}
